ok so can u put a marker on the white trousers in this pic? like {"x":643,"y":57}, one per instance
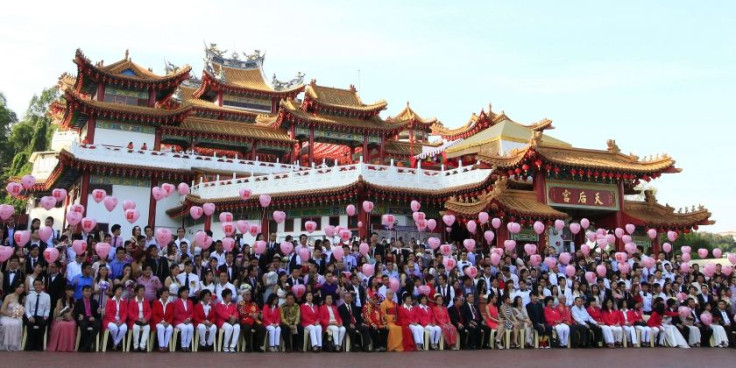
{"x":231,"y":335}
{"x":614,"y":334}
{"x":630,"y":334}
{"x":719,"y":335}
{"x":653,"y":333}
{"x":315,"y":334}
{"x":274,"y":335}
{"x":137,"y":330}
{"x":202,"y":330}
{"x":163,"y":334}
{"x":186,"y":331}
{"x":694,"y":336}
{"x":417,"y":332}
{"x":338,"y":333}
{"x":435,"y":332}
{"x":563,"y":334}
{"x":117,"y":332}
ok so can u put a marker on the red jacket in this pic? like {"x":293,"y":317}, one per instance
{"x":423,"y":317}
{"x":324,"y":315}
{"x":200,"y":317}
{"x":406,"y":316}
{"x":552,"y":316}
{"x":440,"y":314}
{"x":111,"y":311}
{"x":180,"y":313}
{"x":158,"y":314}
{"x":595,"y":313}
{"x":611,"y":318}
{"x":655,"y":320}
{"x":565,"y":314}
{"x":271,"y":315}
{"x":133,"y":311}
{"x":224,"y":312}
{"x":308,"y":315}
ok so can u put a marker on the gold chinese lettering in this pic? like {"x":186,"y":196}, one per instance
{"x":582,"y":198}
{"x":598,"y":198}
{"x":566,"y":196}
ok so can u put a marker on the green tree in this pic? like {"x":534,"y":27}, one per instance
{"x":701,"y":239}
{"x":7,"y":119}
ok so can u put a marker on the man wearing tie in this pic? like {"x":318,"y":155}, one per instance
{"x":34,"y":258}
{"x":475,"y":325}
{"x":189,"y":279}
{"x":55,"y":283}
{"x":353,"y":322}
{"x":88,"y":319}
{"x":725,"y":321}
{"x":12,"y":276}
{"x":116,"y":241}
{"x":230,"y":269}
{"x":38,"y":308}
{"x":8,"y":231}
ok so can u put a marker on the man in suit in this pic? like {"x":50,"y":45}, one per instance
{"x":457,"y":318}
{"x":358,"y":291}
{"x":54,"y":235}
{"x":8,"y":232}
{"x":445,"y":289}
{"x":33,"y":258}
{"x":88,"y":319}
{"x":352,"y":320}
{"x":535,"y":310}
{"x":159,"y":264}
{"x":376,"y":247}
{"x":38,"y":309}
{"x":12,"y":276}
{"x":296,"y":277}
{"x":55,"y":283}
{"x":231,"y":269}
{"x":475,"y":326}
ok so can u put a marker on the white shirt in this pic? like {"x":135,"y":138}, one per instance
{"x":73,"y":269}
{"x":219,"y":288}
{"x":206,"y":308}
{"x":117,"y":309}
{"x":140,"y":308}
{"x":193,"y":282}
{"x":44,"y":305}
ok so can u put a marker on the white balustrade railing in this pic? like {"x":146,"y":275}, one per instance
{"x":324,"y":177}
{"x":175,"y":160}
{"x":44,"y":164}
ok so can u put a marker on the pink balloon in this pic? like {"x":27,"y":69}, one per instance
{"x":45,"y":233}
{"x":448,"y":220}
{"x":732,"y":258}
{"x":128,"y":205}
{"x":424,"y":289}
{"x":196,"y":212}
{"x":535,"y":260}
{"x":5,"y":253}
{"x":630,"y":228}
{"x":132,"y":215}
{"x":619,"y":232}
{"x":471,"y":226}
{"x":565,"y":258}
{"x":652,"y":233}
{"x":685,"y":267}
{"x":330,"y":230}
{"x":6,"y":211}
{"x":686,"y":257}
{"x":585,"y":223}
{"x":509,"y":245}
{"x":48,"y":202}
{"x":338,"y":253}
{"x":259,"y":247}
{"x":626,"y":239}
{"x":602,"y":242}
{"x":394,"y":284}
{"x":610,"y":239}
{"x":539,"y":227}
{"x":279,"y":216}
{"x":110,"y":203}
{"x":163,"y":236}
{"x":367,"y":269}
{"x":88,"y":224}
{"x":717,"y":252}
{"x":570,"y":270}
{"x":421,"y":224}
{"x":706,"y":318}
{"x":489,"y":235}
{"x":448,"y":229}
{"x":245,"y":193}
{"x":51,"y":255}
{"x":574,"y":228}
{"x":415,"y":206}
{"x":530,"y":249}
{"x":78,"y":208}
{"x":102,"y":250}
{"x":727,"y":270}
{"x":367,"y":206}
{"x":14,"y":188}
{"x":350,"y":210}
{"x":264,"y":200}
{"x":686,"y":249}
{"x":681,"y":297}
{"x":286,"y":248}
{"x":471,"y":272}
{"x":585,"y":249}
{"x":496,"y":222}
{"x":446,"y":249}
{"x":158,"y":193}
{"x":27,"y":181}
{"x":298,"y":290}
{"x":228,"y":228}
{"x":433,"y":242}
{"x":630,"y":248}
{"x":648,"y":262}
{"x":601,"y":270}
{"x":431,"y":224}
{"x":243,"y":226}
{"x":709,"y":270}
{"x":254,"y":230}
{"x":702,"y":252}
{"x":305,"y":254}
{"x":590,"y":277}
{"x":469,"y":244}
{"x":450,"y":263}
{"x":388,"y":221}
{"x":364,"y":248}
{"x":79,"y":246}
{"x":310,"y":226}
{"x":624,"y":268}
{"x":73,"y":218}
{"x":671,"y":235}
{"x":345,"y":235}
{"x":226,"y":217}
{"x":495,"y":259}
{"x":684,"y":311}
{"x":183,"y":188}
{"x":483,"y":217}
{"x":208,"y":208}
{"x":559,"y":225}
{"x":168,"y":188}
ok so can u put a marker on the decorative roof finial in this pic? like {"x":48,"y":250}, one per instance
{"x":127,"y":54}
{"x":612,"y":146}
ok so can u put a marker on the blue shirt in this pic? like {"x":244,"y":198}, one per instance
{"x":116,"y":268}
{"x":79,"y":282}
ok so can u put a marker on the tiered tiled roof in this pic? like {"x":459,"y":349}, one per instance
{"x":650,"y":213}
{"x":292,"y":111}
{"x":505,"y":130}
{"x":323,"y":99}
{"x":415,"y":120}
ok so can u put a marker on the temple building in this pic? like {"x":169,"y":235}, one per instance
{"x":316,"y":149}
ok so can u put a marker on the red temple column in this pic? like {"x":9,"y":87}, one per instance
{"x":101,"y":92}
{"x":311,"y":146}
{"x":152,"y":98}
{"x":91,"y":125}
{"x":382,"y":150}
{"x":364,"y":217}
{"x":366,"y":154}
{"x":219,"y":98}
{"x":541,"y":192}
{"x":619,"y":217}
{"x":84,"y":190}
{"x":152,"y":204}
{"x":265,"y":224}
{"x":502,"y":234}
{"x":656,"y":247}
{"x":352,"y":154}
{"x":157,"y":140}
{"x":208,"y":222}
{"x":253,"y":149}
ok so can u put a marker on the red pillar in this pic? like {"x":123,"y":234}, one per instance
{"x":157,"y":140}
{"x":253,"y":149}
{"x":619,"y":218}
{"x":208,"y":222}
{"x":152,"y":204}
{"x":264,"y":223}
{"x":655,"y":245}
{"x":502,"y":234}
{"x":152,"y":98}
{"x":366,"y":155}
{"x":382,"y":152}
{"x":311,"y":146}
{"x":101,"y":92}
{"x":364,"y":217}
{"x":541,"y":191}
{"x":91,"y":125}
{"x":84,"y":190}
{"x":352,"y":154}
{"x":219,"y":98}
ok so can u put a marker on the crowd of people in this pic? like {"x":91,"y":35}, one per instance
{"x":391,"y":295}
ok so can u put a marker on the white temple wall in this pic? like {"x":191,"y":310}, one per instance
{"x":120,"y":134}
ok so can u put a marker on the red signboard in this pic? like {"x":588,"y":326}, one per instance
{"x":593,"y":197}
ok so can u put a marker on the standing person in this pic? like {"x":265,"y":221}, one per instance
{"x":188,"y":278}
{"x":12,"y":276}
{"x":63,"y":330}
{"x":374,"y":319}
{"x":162,"y":317}
{"x":88,"y":318}
{"x":554,"y":319}
{"x":309,"y":314}
{"x":272,"y":322}
{"x":227,"y":321}
{"x":139,"y":318}
{"x":535,"y":311}
{"x":352,"y":320}
{"x":11,"y":319}
{"x":38,"y":309}
{"x":55,"y":283}
{"x":183,"y":316}
{"x":205,"y":320}
{"x":150,"y":283}
{"x":116,"y":316}
{"x":331,"y":322}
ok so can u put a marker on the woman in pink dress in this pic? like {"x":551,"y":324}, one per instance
{"x":443,"y":320}
{"x":62,"y":336}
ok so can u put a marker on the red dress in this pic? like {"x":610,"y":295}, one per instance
{"x":443,"y":320}
{"x":407,"y":317}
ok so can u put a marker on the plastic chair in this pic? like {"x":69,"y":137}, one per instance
{"x":106,"y":336}
{"x":79,"y":338}
{"x":25,"y":337}
{"x":569,"y":340}
{"x":149,"y":343}
{"x":175,"y":337}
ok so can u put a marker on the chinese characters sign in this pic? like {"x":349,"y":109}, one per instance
{"x":582,"y":195}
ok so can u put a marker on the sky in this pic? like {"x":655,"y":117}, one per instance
{"x":656,"y":76}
